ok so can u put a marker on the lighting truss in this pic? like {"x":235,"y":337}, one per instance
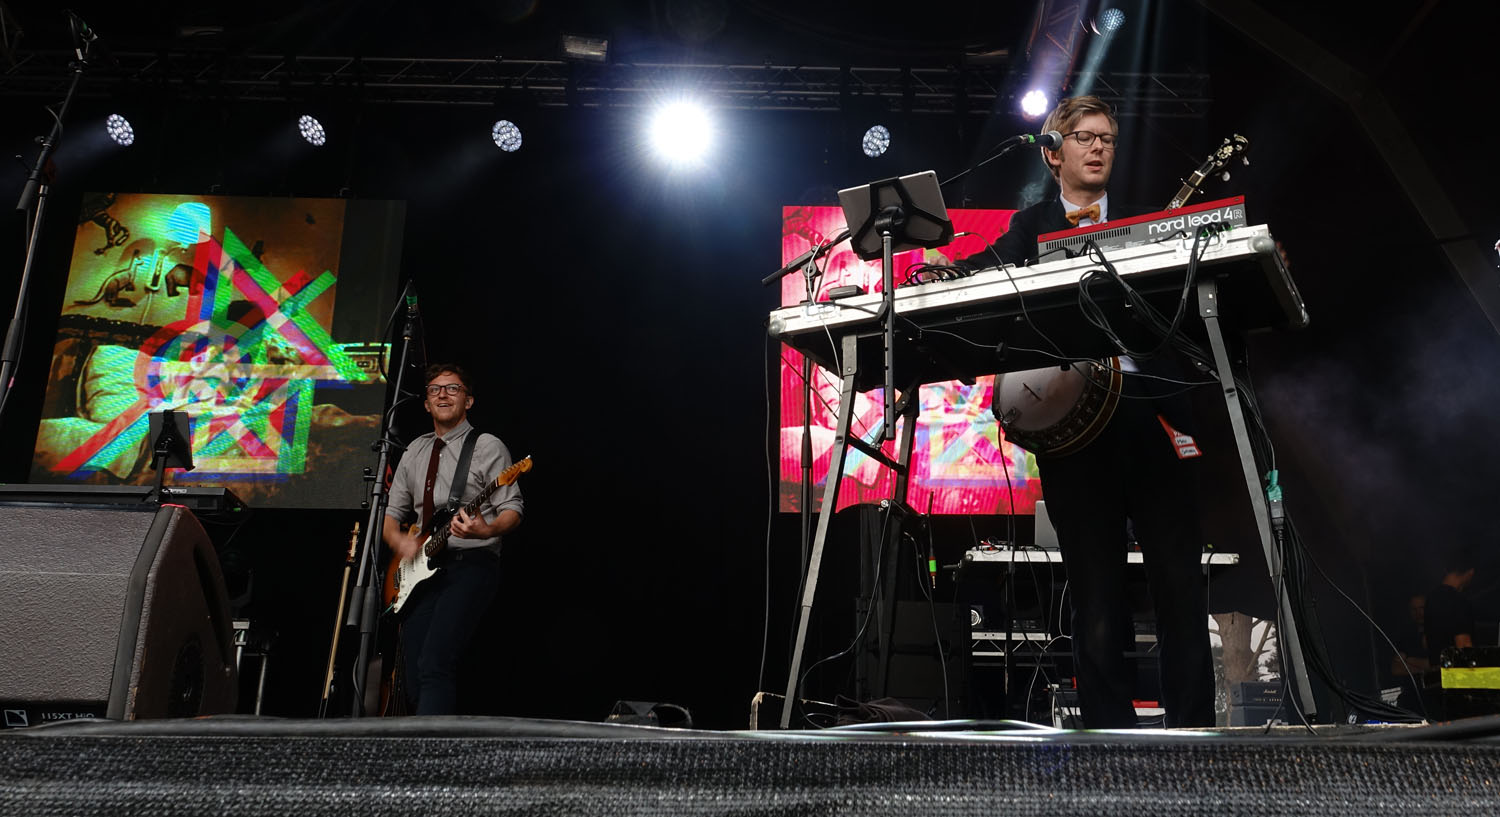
{"x":974,"y":89}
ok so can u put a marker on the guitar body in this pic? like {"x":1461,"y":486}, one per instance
{"x":403,"y":575}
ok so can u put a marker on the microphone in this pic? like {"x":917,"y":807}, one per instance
{"x":797,"y":262}
{"x":1051,"y":140}
{"x":83,"y":36}
{"x":411,"y":300}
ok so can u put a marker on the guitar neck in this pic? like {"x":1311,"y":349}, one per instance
{"x":1188,"y":188}
{"x":439,"y":538}
{"x":1235,"y":145}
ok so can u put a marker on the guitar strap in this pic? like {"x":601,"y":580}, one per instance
{"x":460,"y":479}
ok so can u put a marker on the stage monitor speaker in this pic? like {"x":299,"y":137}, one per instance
{"x":913,"y":674}
{"x":111,"y":612}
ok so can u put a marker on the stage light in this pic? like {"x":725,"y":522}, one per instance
{"x":507,"y":136}
{"x":1034,"y":104}
{"x":312,"y":130}
{"x":588,"y":49}
{"x":682,"y":132}
{"x":1111,"y":19}
{"x":118,"y":128}
{"x":877,"y":140}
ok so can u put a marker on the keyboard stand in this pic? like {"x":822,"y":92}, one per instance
{"x":1266,"y":515}
{"x":906,"y":409}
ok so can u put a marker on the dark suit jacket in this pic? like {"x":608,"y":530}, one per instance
{"x":1019,"y":243}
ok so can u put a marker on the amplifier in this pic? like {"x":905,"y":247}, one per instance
{"x":1471,"y":668}
{"x":1255,"y":693}
{"x":1257,"y":715}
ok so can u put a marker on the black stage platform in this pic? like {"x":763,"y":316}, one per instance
{"x":242,"y":765}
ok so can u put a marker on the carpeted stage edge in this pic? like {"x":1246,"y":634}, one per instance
{"x":240,"y":765}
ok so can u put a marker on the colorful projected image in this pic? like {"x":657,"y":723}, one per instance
{"x":222,"y":307}
{"x":960,"y":458}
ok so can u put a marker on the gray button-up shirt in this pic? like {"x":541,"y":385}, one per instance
{"x":489,"y":459}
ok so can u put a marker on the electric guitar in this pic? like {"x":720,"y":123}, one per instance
{"x":403,"y":575}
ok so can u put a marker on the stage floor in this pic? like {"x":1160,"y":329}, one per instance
{"x":248,"y":765}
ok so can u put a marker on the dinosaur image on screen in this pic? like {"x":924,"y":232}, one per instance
{"x":229,"y":309}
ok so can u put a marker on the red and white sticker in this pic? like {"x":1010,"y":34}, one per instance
{"x":1184,"y":444}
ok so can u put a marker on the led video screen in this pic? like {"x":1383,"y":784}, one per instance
{"x":261,"y":318}
{"x":961,"y":461}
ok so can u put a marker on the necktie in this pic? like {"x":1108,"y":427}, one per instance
{"x":1090,"y":212}
{"x":432,"y":468}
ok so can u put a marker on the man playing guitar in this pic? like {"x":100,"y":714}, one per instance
{"x":446,"y":609}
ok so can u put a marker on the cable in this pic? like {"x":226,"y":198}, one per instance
{"x":1143,"y":311}
{"x":1319,"y":659}
{"x":932,"y":614}
{"x":1021,"y":301}
{"x":865,"y":622}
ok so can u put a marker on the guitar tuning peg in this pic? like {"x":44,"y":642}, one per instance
{"x":1245,"y":160}
{"x":1224,"y":176}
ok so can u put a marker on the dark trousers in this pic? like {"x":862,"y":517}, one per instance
{"x":445,"y":611}
{"x":1132,"y":471}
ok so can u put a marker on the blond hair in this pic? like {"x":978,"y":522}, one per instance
{"x":1067,"y":115}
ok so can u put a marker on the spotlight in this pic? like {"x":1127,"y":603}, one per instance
{"x":588,"y":49}
{"x":877,"y":140}
{"x":312,"y":130}
{"x":1034,"y":103}
{"x":1111,"y":19}
{"x":506,"y":135}
{"x":118,"y":128}
{"x":681,"y":132}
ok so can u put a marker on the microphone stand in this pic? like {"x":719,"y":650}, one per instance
{"x":34,"y":193}
{"x":364,"y":598}
{"x":1005,"y":147}
{"x":808,"y":263}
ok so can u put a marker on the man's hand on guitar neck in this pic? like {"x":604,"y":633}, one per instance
{"x":471,"y":527}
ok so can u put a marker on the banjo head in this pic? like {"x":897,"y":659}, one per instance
{"x":1058,"y":409}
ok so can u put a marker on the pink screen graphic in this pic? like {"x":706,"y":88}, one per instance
{"x":960,"y":460}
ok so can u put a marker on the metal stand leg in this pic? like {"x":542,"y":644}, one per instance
{"x":1295,"y":663}
{"x":254,"y":644}
{"x":837,"y":456}
{"x":889,"y":549}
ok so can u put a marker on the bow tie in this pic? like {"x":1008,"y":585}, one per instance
{"x":1090,"y":212}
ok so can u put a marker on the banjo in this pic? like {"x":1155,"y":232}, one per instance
{"x":1058,"y":410}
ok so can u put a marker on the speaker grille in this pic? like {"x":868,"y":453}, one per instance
{"x":64,"y":578}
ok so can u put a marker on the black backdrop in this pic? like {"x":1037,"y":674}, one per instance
{"x":613,"y":315}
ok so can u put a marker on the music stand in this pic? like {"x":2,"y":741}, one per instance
{"x":886,"y":217}
{"x":171,"y":444}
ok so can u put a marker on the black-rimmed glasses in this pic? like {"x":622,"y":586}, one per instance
{"x":1087,"y":137}
{"x":451,"y":389}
